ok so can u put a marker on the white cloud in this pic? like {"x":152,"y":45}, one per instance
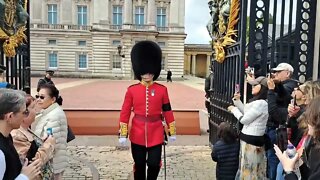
{"x":196,"y":18}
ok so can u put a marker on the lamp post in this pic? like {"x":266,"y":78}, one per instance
{"x":119,"y":51}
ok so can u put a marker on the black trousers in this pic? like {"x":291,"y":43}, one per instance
{"x":143,"y":156}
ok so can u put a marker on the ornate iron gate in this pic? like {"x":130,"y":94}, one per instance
{"x":268,"y":42}
{"x":18,"y":67}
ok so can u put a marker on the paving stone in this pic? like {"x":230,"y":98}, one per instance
{"x":183,"y":162}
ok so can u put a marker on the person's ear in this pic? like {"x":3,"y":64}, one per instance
{"x":54,"y":99}
{"x":8,"y":116}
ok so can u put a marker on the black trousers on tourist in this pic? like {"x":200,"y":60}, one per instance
{"x":143,"y":156}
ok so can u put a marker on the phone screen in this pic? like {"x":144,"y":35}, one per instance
{"x":237,"y":88}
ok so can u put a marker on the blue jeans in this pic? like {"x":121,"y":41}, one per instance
{"x":280,"y":175}
{"x":272,"y":159}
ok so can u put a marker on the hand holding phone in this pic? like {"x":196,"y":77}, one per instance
{"x":237,"y":88}
{"x":293,"y":102}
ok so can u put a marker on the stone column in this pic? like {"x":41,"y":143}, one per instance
{"x":316,"y":57}
{"x":188,"y":63}
{"x":194,"y":64}
{"x":174,"y":14}
{"x":101,"y":12}
{"x":127,"y":10}
{"x":64,"y":12}
{"x":151,"y":17}
{"x":208,"y":64}
{"x":181,"y":14}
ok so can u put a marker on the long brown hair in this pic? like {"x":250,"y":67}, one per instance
{"x":313,"y":116}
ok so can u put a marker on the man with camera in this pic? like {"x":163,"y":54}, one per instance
{"x":280,"y":85}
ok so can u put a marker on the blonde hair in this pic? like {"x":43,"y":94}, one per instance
{"x":312,"y":90}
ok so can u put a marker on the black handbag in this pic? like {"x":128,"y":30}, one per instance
{"x":70,"y":135}
{"x":32,"y":151}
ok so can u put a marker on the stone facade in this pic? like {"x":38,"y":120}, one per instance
{"x":93,"y":38}
{"x":197,"y":58}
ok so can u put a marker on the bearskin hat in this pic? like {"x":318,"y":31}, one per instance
{"x":146,"y":58}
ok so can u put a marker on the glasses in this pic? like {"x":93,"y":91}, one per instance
{"x":278,"y":71}
{"x":298,"y":89}
{"x":41,"y":97}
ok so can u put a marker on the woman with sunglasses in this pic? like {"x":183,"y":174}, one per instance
{"x":30,"y":146}
{"x":52,"y":116}
{"x":295,"y":109}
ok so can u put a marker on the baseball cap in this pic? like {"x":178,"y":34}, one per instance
{"x":50,"y":71}
{"x":259,"y":80}
{"x":283,"y":67}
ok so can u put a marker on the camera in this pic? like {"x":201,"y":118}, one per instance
{"x":249,"y":70}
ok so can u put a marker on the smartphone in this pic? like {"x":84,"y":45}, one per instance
{"x":252,"y":71}
{"x":293,"y":101}
{"x":49,"y":131}
{"x":237,"y":88}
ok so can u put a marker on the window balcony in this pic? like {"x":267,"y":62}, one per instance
{"x":163,"y":29}
{"x":61,"y":27}
{"x":116,"y":27}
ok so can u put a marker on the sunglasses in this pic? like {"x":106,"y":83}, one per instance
{"x":41,"y":97}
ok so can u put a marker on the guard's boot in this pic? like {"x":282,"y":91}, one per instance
{"x":153,"y":172}
{"x":139,"y":172}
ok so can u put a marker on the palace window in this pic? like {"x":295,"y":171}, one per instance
{"x":82,"y":61}
{"x":52,"y":14}
{"x":161,"y":17}
{"x":139,"y":15}
{"x":116,"y":63}
{"x":117,"y":15}
{"x":53,"y":60}
{"x":82,"y":15}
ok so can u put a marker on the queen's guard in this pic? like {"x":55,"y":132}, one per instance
{"x":150,"y":104}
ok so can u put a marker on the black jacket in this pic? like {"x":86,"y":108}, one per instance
{"x":45,"y":80}
{"x":227,"y":158}
{"x":278,"y":100}
{"x":13,"y":164}
{"x":296,"y":133}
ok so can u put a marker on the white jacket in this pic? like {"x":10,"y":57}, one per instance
{"x":55,"y":118}
{"x":254,"y":116}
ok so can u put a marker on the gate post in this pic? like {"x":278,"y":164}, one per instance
{"x":15,"y":52}
{"x":316,"y":57}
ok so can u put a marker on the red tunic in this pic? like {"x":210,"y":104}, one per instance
{"x":147,"y":104}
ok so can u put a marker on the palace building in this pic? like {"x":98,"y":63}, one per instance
{"x":93,"y":38}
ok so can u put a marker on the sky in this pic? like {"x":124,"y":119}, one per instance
{"x":197,"y":16}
